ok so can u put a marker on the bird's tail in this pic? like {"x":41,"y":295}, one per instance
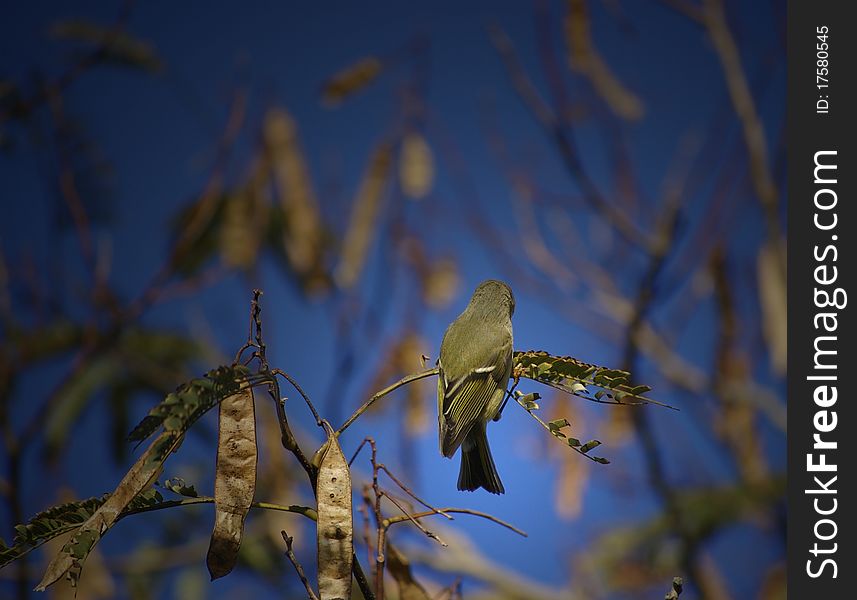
{"x":477,"y":466}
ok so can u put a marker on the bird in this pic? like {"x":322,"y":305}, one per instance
{"x":474,"y":367}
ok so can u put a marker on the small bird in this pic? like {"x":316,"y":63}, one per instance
{"x":474,"y":367}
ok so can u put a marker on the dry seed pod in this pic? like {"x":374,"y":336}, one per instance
{"x":772,"y":297}
{"x":350,"y":80}
{"x":335,"y":522}
{"x":364,"y":218}
{"x":416,"y":166}
{"x":239,"y":239}
{"x":400,"y":569}
{"x":139,"y":477}
{"x":234,"y":482}
{"x":302,"y":237}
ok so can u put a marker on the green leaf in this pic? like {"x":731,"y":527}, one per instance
{"x":589,"y":446}
{"x":190,"y":401}
{"x":351,"y":80}
{"x":573,"y":376}
{"x":573,"y":442}
{"x":528,"y":401}
{"x":639,"y":389}
{"x":558,"y":424}
{"x":178,"y":486}
{"x":61,"y":519}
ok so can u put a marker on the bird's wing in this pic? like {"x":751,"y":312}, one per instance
{"x":463,"y":399}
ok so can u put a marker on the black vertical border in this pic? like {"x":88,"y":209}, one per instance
{"x":808,"y":133}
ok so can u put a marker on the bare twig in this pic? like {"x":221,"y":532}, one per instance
{"x":254,"y":326}
{"x":357,"y":452}
{"x":651,"y":452}
{"x":294,"y":559}
{"x":412,"y":519}
{"x":400,"y":518}
{"x":306,"y":511}
{"x":288,"y":439}
{"x":409,"y":492}
{"x":714,"y":18}
{"x":380,"y":559}
{"x":384,"y":392}
{"x":738,"y":417}
{"x":564,"y":143}
{"x":295,"y":384}
{"x":364,"y":509}
{"x":256,"y":340}
{"x":360,"y":578}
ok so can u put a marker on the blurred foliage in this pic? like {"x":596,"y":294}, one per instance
{"x":62,"y":519}
{"x":180,"y":409}
{"x":140,"y":361}
{"x":351,"y":80}
{"x":583,"y":57}
{"x":112,"y":45}
{"x":363,"y":224}
{"x":416,"y":166}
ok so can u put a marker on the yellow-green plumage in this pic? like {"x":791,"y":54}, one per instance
{"x":474,"y":368}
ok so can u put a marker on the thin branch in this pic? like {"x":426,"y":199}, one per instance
{"x":253,"y":326}
{"x":306,"y":511}
{"x":403,"y":381}
{"x":287,"y":438}
{"x":381,"y":543}
{"x":295,"y":385}
{"x":509,"y":394}
{"x":412,"y":519}
{"x":565,"y":144}
{"x":294,"y":559}
{"x":711,"y":15}
{"x":410,"y":493}
{"x":22,"y":108}
{"x":401,"y":518}
{"x":367,"y":529}
{"x":357,"y":452}
{"x":658,"y":480}
{"x":714,"y":18}
{"x":360,"y":578}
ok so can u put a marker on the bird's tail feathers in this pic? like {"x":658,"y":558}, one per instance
{"x":477,"y":466}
